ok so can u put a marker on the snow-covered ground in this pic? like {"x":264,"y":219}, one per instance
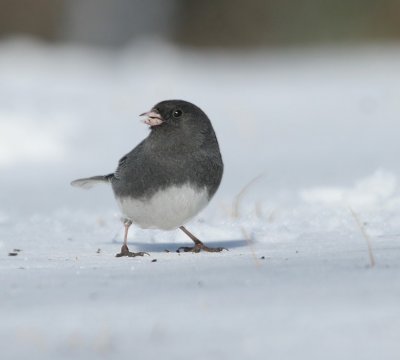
{"x":321,"y":127}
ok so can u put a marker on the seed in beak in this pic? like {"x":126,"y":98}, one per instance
{"x":153,"y":118}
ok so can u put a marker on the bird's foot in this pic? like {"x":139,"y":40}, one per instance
{"x":200,"y":247}
{"x":125,"y":252}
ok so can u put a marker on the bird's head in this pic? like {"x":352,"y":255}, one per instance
{"x":176,"y":114}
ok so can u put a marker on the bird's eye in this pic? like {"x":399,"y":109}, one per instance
{"x":177,"y":113}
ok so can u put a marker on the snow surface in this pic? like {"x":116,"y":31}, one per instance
{"x":320,"y":125}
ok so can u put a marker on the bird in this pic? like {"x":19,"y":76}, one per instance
{"x":170,"y":176}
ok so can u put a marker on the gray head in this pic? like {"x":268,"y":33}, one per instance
{"x":178,"y":116}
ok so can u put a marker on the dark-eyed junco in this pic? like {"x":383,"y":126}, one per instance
{"x":170,"y":176}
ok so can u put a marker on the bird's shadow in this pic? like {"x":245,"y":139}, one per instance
{"x":173,"y":246}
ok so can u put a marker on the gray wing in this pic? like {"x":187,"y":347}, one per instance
{"x":147,"y":169}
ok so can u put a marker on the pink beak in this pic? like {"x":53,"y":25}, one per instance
{"x":153,"y":118}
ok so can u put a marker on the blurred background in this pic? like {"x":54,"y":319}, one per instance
{"x":219,"y":23}
{"x":303,"y":92}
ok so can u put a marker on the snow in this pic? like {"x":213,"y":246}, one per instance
{"x":320,"y":125}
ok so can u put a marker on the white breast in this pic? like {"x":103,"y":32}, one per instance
{"x":167,"y":209}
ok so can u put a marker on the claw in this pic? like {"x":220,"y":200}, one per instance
{"x":125,"y":252}
{"x":200,"y":247}
{"x":188,"y":249}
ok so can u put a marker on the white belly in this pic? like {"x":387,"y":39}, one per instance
{"x":167,"y":209}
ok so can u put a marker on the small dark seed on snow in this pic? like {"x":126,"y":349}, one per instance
{"x":154,"y":260}
{"x":166,"y":250}
{"x":17,"y":250}
{"x":12,"y":254}
{"x":98,"y":251}
{"x":262,"y":257}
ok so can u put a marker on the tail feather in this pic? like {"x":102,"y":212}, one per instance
{"x":88,"y":183}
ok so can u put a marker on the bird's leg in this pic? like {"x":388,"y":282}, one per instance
{"x":124,"y":249}
{"x":198,"y":245}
